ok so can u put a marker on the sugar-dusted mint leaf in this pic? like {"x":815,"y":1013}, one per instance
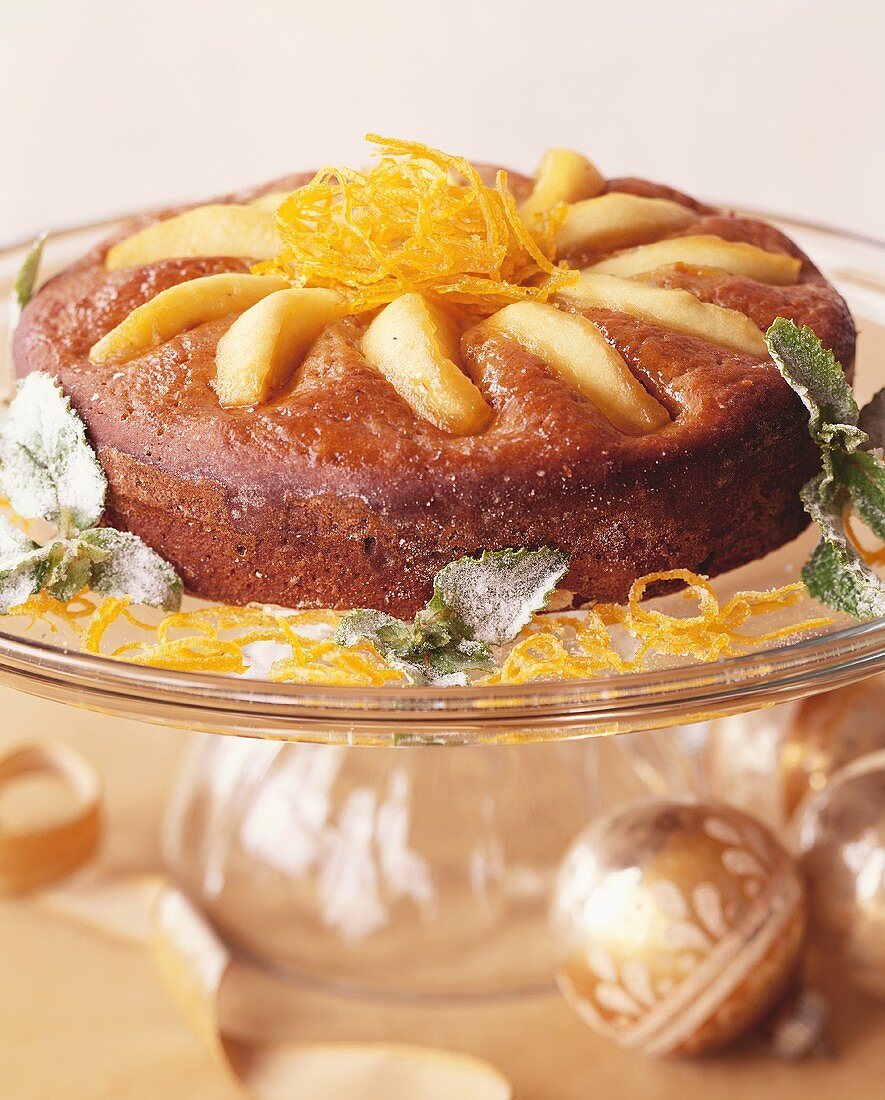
{"x":432,"y":649}
{"x":497,"y":594}
{"x":813,"y":372}
{"x":13,"y":541}
{"x":836,"y":574}
{"x":872,"y":420}
{"x":47,"y":468}
{"x":854,"y":477}
{"x":386,"y":633}
{"x":70,"y":569}
{"x":838,"y":577}
{"x":22,"y":575}
{"x":123,"y":565}
{"x":477,"y":602}
{"x":450,"y":665}
{"x":26,"y":279}
{"x":863,"y":475}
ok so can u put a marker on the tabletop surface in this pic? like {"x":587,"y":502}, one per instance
{"x":86,"y":1018}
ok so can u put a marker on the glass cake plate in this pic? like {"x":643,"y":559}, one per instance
{"x":539,"y":711}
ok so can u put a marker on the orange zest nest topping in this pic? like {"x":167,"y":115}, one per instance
{"x":419,"y":221}
{"x":567,"y":646}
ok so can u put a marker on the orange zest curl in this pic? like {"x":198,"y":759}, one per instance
{"x":44,"y":608}
{"x":713,"y":632}
{"x":419,"y":221}
{"x":870,"y":556}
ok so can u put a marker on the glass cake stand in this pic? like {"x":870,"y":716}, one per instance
{"x":407,"y":873}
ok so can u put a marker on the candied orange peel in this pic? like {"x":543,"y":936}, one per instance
{"x":420,"y":220}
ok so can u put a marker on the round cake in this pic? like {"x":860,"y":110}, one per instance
{"x":341,"y":487}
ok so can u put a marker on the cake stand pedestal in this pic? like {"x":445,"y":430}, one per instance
{"x":398,"y":872}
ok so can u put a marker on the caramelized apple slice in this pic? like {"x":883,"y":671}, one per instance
{"x":673,"y":309}
{"x":270,"y":200}
{"x":415,"y":345}
{"x":261,"y":350}
{"x":182,"y":307}
{"x":735,"y":257}
{"x":577,"y":351}
{"x":563,"y":176}
{"x":221,"y":229}
{"x":618,"y":220}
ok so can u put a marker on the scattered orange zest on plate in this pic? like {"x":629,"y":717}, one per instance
{"x":192,"y":641}
{"x":418,"y":221}
{"x":556,"y":646}
{"x":541,"y":653}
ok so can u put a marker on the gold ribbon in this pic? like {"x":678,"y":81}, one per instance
{"x":33,"y":857}
{"x":146,"y":910}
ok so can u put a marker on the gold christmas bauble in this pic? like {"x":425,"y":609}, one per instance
{"x":840,"y":835}
{"x":676,"y":925}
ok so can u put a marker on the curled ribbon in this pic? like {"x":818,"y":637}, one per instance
{"x":36,"y":856}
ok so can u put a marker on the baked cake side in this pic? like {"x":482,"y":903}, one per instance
{"x":339,"y":488}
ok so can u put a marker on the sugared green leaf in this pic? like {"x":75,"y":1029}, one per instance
{"x":813,"y":372}
{"x":477,"y":602}
{"x":852,"y":477}
{"x":872,"y":420}
{"x":497,"y":594}
{"x":26,"y":279}
{"x":70,"y":569}
{"x":863,"y":475}
{"x":22,"y":576}
{"x":13,"y":541}
{"x":47,"y":468}
{"x":123,"y":565}
{"x":839,"y":578}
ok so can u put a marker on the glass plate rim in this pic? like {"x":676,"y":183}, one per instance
{"x":827,"y":660}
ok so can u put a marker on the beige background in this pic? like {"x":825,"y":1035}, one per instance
{"x":110,"y":105}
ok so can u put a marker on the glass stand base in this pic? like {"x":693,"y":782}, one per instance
{"x":408,"y":872}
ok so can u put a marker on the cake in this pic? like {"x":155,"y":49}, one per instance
{"x":291,"y":428}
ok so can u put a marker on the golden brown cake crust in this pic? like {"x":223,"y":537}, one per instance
{"x":336,"y":494}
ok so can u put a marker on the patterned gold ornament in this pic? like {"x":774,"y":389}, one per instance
{"x":840,"y":834}
{"x":676,"y":925}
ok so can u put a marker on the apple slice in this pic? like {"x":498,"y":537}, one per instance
{"x":222,"y":229}
{"x":618,"y":220}
{"x":673,"y":309}
{"x":563,"y":176}
{"x":576,"y":350}
{"x":415,"y":345}
{"x":261,"y":350}
{"x":271,"y":200}
{"x":179,"y":308}
{"x":735,"y":257}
